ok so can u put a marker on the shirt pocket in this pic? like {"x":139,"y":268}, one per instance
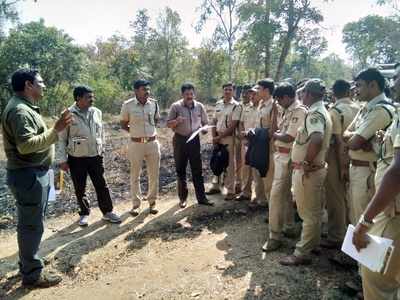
{"x":80,"y":146}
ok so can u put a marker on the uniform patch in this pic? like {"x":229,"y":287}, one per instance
{"x":314,"y":120}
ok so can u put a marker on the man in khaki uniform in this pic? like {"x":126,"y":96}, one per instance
{"x":377,"y":286}
{"x":281,"y":212}
{"x":266,"y":89}
{"x":376,"y":115}
{"x":249,"y":120}
{"x":226,"y":119}
{"x":309,"y":170}
{"x":139,"y":116}
{"x":342,"y":113}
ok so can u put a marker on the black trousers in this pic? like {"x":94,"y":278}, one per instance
{"x":80,"y":167}
{"x":184,"y":153}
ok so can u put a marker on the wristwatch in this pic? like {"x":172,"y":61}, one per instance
{"x":367,"y":223}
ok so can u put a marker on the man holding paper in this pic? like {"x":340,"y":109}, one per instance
{"x":186,"y":116}
{"x":384,"y":285}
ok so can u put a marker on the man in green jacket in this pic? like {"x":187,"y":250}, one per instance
{"x":29,"y":148}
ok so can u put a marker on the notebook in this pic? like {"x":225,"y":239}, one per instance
{"x":375,"y":256}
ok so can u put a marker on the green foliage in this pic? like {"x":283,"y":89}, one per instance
{"x":47,"y":49}
{"x":210,"y":68}
{"x":373,"y":40}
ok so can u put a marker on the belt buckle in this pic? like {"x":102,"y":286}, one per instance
{"x":145,"y":139}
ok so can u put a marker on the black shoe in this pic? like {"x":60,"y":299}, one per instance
{"x":206,"y":202}
{"x":45,"y":280}
{"x":213,"y":192}
{"x":182,"y":203}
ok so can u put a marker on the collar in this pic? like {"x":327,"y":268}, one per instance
{"x":346,"y":100}
{"x":75,"y":108}
{"x":27,"y":102}
{"x":294,"y":105}
{"x":231,"y":101}
{"x":317,"y":105}
{"x":182,"y":102}
{"x":139,"y":103}
{"x":373,"y":102}
{"x":265,"y":102}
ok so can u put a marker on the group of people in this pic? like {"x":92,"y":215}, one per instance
{"x":341,"y":157}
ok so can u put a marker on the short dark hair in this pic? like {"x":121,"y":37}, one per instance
{"x":19,"y":77}
{"x":139,"y":83}
{"x":372,"y":74}
{"x":187,"y":86}
{"x":341,"y":88}
{"x":81,"y":90}
{"x":267,"y":83}
{"x":228,"y":84}
{"x":285,"y":89}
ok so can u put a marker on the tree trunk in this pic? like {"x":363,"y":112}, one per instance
{"x":230,"y":54}
{"x":267,"y":46}
{"x":283,"y":56}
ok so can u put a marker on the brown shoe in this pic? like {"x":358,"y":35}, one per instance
{"x":152,"y":209}
{"x":229,"y":197}
{"x":271,"y":245}
{"x":328,"y":244}
{"x":45,"y":280}
{"x":293,"y":260}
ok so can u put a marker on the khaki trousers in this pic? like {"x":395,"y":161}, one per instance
{"x":307,"y":191}
{"x":377,"y":286}
{"x":335,"y":197}
{"x":250,"y":175}
{"x":229,"y":178}
{"x":270,"y":176}
{"x":281,"y":211}
{"x":362,"y":188}
{"x":150,"y":153}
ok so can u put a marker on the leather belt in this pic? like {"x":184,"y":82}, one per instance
{"x":143,"y":140}
{"x":284,"y":150}
{"x":299,"y":166}
{"x":360,"y":163}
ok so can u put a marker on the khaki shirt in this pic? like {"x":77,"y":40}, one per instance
{"x":249,"y":116}
{"x":142,"y":118}
{"x":265,"y":113}
{"x":317,"y":119}
{"x":27,"y":141}
{"x":289,"y":121}
{"x":195,"y":117}
{"x":85,"y":136}
{"x":391,"y":141}
{"x":372,"y":117}
{"x":342,"y":114}
{"x":225,"y":113}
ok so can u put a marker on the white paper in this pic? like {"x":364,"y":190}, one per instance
{"x":194,"y":134}
{"x":372,"y":257}
{"x":52,"y":191}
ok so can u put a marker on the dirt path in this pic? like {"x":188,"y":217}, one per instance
{"x":195,"y":253}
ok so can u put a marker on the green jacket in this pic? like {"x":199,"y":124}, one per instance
{"x":27,"y":141}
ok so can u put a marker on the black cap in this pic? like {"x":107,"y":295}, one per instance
{"x":140,"y":82}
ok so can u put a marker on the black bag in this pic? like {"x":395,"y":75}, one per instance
{"x":219,"y":159}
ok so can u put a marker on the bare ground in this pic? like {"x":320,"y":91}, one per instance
{"x":195,"y":253}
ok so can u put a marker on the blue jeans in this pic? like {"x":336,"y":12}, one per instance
{"x":30,"y":187}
